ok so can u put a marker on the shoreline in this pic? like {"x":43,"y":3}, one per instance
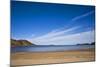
{"x":34,"y":58}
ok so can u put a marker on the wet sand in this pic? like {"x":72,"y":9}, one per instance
{"x":33,"y":58}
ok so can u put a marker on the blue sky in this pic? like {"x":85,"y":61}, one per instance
{"x":45,"y":23}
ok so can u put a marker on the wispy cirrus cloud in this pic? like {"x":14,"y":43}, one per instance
{"x":84,"y":37}
{"x":53,"y":34}
{"x":82,"y":16}
{"x":60,"y":36}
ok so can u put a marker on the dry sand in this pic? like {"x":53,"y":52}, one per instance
{"x":32,"y":58}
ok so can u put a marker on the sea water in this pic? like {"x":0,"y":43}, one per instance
{"x":45,"y":48}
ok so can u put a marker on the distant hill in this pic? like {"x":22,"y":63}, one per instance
{"x":15,"y":43}
{"x":93,"y":43}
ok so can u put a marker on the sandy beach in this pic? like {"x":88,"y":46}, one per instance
{"x":33,"y":58}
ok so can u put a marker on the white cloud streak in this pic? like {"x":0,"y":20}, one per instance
{"x":53,"y":34}
{"x":82,"y":16}
{"x":84,"y":37}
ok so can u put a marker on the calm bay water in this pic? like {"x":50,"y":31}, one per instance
{"x":44,"y":48}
